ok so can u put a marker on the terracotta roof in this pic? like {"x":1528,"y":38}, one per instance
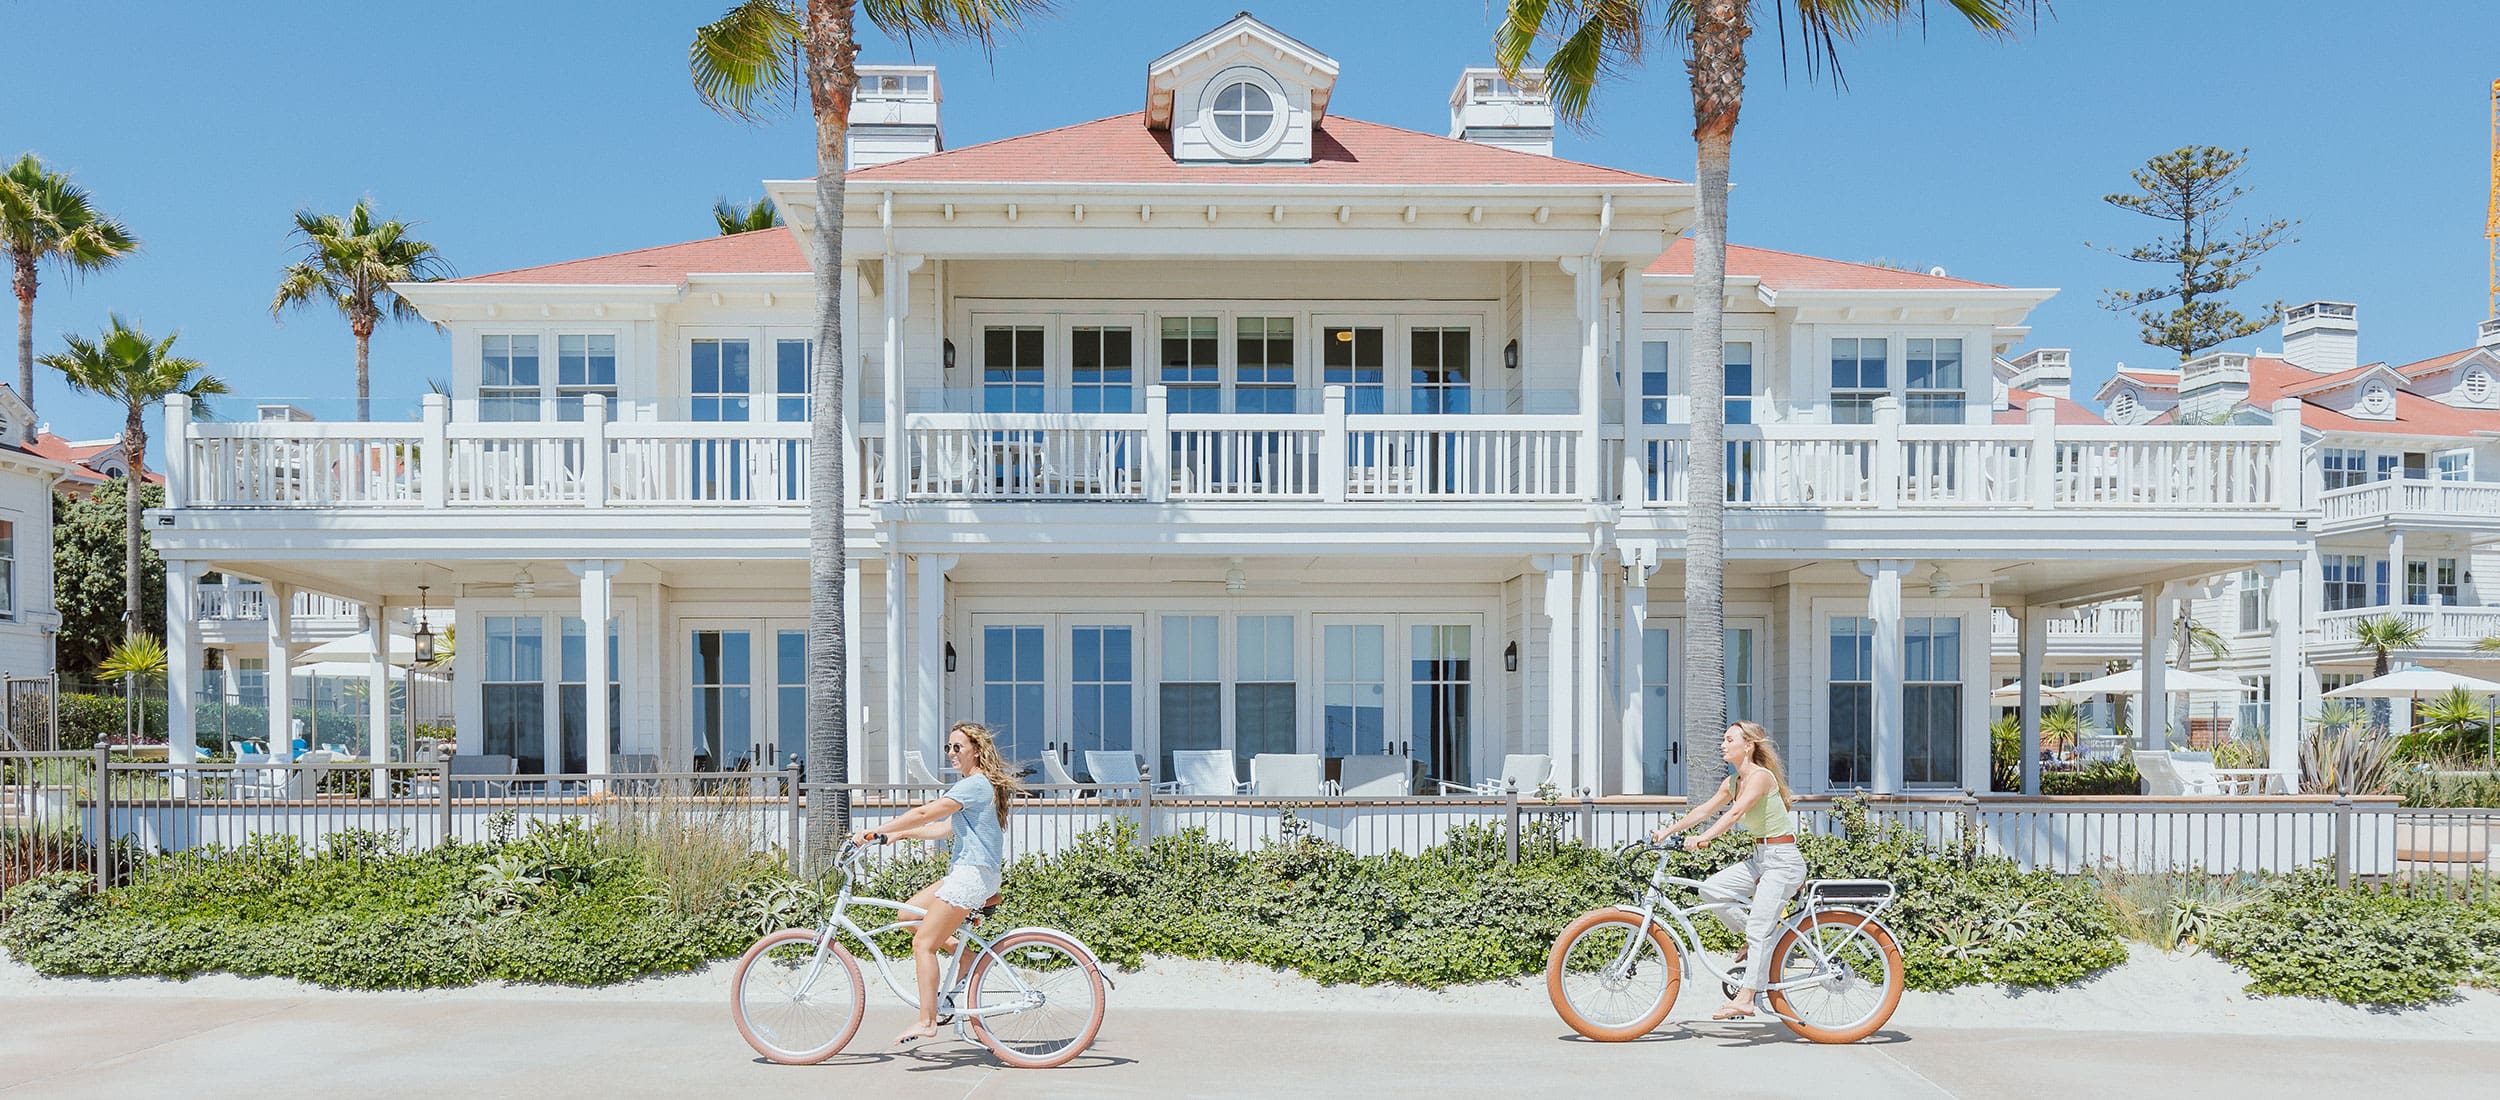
{"x":2068,"y":412}
{"x":764,"y":250}
{"x":76,"y":454}
{"x":1120,"y":149}
{"x":2151,"y":377}
{"x":2426,"y":366}
{"x":2320,"y":383}
{"x":2270,"y":378}
{"x":1779,"y":270}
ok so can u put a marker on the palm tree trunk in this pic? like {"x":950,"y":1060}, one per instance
{"x":135,"y":440}
{"x":24,"y":284}
{"x":831,"y":51}
{"x":1718,"y":81}
{"x":364,"y":378}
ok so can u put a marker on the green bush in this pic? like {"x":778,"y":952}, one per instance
{"x":2447,"y":785}
{"x":2304,"y":937}
{"x":2097,"y":777}
{"x":88,"y":720}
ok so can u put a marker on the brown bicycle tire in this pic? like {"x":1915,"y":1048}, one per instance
{"x":1893,"y":977}
{"x":1093,"y":977}
{"x":1668,"y":958}
{"x":835,"y":953}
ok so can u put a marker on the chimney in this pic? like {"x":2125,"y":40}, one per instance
{"x":2322,"y":337}
{"x":894,"y":116}
{"x":2488,"y":335}
{"x":2212,"y":385}
{"x":2043,"y":371}
{"x":1489,"y":109}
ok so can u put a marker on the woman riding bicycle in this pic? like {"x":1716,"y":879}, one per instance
{"x":1757,"y":800}
{"x":973,"y":812}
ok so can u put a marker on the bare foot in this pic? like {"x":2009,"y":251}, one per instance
{"x":916,"y":1033}
{"x":1733,"y":1010}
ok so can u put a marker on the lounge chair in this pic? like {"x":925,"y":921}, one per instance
{"x":282,"y":783}
{"x":2196,"y":773}
{"x":1287,"y":775}
{"x":916,"y":770}
{"x":1121,"y":768}
{"x":1207,"y":772}
{"x":488,"y":764}
{"x":2165,"y":776}
{"x":1055,"y":774}
{"x":1375,"y":777}
{"x":1521,"y":772}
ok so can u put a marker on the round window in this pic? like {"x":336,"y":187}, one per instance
{"x":2122,"y":407}
{"x":1244,"y":113}
{"x":2377,"y":399}
{"x":2477,"y":385}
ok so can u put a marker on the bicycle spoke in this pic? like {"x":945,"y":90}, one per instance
{"x":1613,"y":975}
{"x":794,"y":1004}
{"x":1054,"y":998}
{"x":1842,"y":988}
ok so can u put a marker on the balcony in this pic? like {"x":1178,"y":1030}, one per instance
{"x":2100,"y":630}
{"x":249,"y":602}
{"x":2448,"y":632}
{"x":2412,"y":502}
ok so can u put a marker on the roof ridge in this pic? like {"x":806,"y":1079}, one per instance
{"x":1857,"y":264}
{"x":1544,"y":157}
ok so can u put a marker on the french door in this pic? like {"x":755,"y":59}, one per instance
{"x":746,"y":693}
{"x":1400,"y":685}
{"x":1058,"y":685}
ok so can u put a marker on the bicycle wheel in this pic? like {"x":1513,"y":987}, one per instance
{"x":1857,"y":982}
{"x":1059,"y":987}
{"x":784,"y":1013}
{"x":1610,"y":982}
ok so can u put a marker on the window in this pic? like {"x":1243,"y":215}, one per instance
{"x":573,"y":701}
{"x":1192,"y":377}
{"x":1738,"y":355}
{"x":1014,"y":687}
{"x":514,"y":690}
{"x":1739,"y":678}
{"x":1658,"y":719}
{"x":2122,"y":408}
{"x":2390,"y":467}
{"x":1439,"y":670}
{"x":721,"y":380}
{"x":1190,"y":696}
{"x":2456,"y":465}
{"x":2256,"y":591}
{"x":1439,"y":370}
{"x":2444,"y":581}
{"x":793,"y":382}
{"x":724,"y":698}
{"x":1263,"y":682}
{"x":585,"y":364}
{"x":1931,"y":701}
{"x":1102,"y":368}
{"x":2378,"y":594}
{"x":1932,"y":375}
{"x":1263,"y":364}
{"x":507,"y":387}
{"x":1852,"y":701}
{"x":1244,"y":113}
{"x":2346,"y":580}
{"x":8,"y":570}
{"x":2476,"y":386}
{"x":1355,"y":356}
{"x":789,"y":697}
{"x":1011,"y":369}
{"x":2417,"y":583}
{"x":1103,"y":681}
{"x":1656,"y":384}
{"x":1858,"y":378}
{"x":2344,"y":467}
{"x":1354,"y":686}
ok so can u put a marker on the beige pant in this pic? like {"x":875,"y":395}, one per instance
{"x":1769,"y":879}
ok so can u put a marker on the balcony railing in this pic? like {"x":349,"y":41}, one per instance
{"x":2377,"y":500}
{"x":2440,"y":626}
{"x":220,"y":602}
{"x":2100,"y":623}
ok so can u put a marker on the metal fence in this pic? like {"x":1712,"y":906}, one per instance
{"x":81,"y":810}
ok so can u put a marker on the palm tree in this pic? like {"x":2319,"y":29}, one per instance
{"x":127,"y":367}
{"x":757,"y":57}
{"x":2385,"y":636}
{"x":2487,"y":645}
{"x":1592,"y":40}
{"x":734,"y":219}
{"x":43,"y":216}
{"x":2189,"y":638}
{"x":351,"y":263}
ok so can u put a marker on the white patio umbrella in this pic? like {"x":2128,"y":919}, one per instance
{"x":356,"y":648}
{"x":2411,"y":681}
{"x":2131,"y":682}
{"x":2015,"y":691}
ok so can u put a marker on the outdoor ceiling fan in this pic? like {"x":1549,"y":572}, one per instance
{"x":1238,"y":580}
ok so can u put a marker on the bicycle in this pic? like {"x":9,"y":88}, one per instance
{"x":1835,"y":971}
{"x":1033,"y":996}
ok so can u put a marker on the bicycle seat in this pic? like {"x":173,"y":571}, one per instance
{"x":987,"y":907}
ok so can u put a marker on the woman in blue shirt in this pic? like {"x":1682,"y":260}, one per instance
{"x":973,"y":813}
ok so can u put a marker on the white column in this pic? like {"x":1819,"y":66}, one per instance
{"x":2035,"y":648}
{"x":1589,"y":706}
{"x":280,"y":608}
{"x":378,"y":693}
{"x":928,"y":664}
{"x":1628,"y":399}
{"x":2284,"y":671}
{"x":2161,"y":610}
{"x":1883,"y":608}
{"x":1592,"y":315}
{"x":1559,"y":739}
{"x":1631,"y":658}
{"x":897,"y":724}
{"x":182,"y":662}
{"x":895,"y":287}
{"x":854,"y":646}
{"x":598,"y":607}
{"x":2396,"y":565}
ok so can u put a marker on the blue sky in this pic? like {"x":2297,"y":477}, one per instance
{"x":528,"y":132}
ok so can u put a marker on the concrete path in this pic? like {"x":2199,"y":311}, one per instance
{"x":111,"y":1043}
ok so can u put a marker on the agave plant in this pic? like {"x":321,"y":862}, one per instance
{"x":2344,"y":754}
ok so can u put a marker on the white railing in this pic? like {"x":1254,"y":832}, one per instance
{"x":2410,"y":496}
{"x":2440,"y":626}
{"x":2119,"y":622}
{"x":251,"y":602}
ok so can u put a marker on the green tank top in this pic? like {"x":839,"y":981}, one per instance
{"x":1769,"y":817}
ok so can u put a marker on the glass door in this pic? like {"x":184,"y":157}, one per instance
{"x":722,"y":393}
{"x":1440,"y":677}
{"x":722,"y":686}
{"x":1263,"y":687}
{"x":1102,"y":695}
{"x":1189,"y":696}
{"x":1015,"y":688}
{"x":1662,"y":752}
{"x":1354,"y":687}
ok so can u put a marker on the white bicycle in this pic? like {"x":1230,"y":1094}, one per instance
{"x":1835,"y":971}
{"x":1033,"y":996}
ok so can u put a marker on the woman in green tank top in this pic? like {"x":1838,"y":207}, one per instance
{"x":1756,"y":799}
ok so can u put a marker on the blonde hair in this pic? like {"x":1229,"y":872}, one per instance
{"x":1766,"y":754}
{"x":1003,"y":781}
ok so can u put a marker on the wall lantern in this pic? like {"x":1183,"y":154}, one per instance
{"x":950,"y":656}
{"x":1510,"y":355}
{"x":425,"y":632}
{"x":1510,"y":657}
{"x":950,"y":354}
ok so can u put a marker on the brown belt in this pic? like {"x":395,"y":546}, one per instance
{"x":1790,"y":838}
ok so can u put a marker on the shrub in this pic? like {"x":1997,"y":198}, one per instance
{"x":2304,"y":937}
{"x":2444,"y":785}
{"x":2098,"y":777}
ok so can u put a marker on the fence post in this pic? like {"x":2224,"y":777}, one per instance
{"x":1146,"y":809}
{"x":1511,"y":843}
{"x":1588,"y":819}
{"x":442,"y":787}
{"x":798,"y":850}
{"x":103,"y":816}
{"x":2343,"y":841}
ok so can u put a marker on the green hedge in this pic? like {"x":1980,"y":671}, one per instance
{"x":2304,"y":937}
{"x":87,"y":719}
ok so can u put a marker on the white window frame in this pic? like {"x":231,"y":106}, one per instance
{"x":1249,"y":148}
{"x":469,"y":367}
{"x":1960,"y":396}
{"x":1060,"y":374}
{"x":763,"y":366}
{"x":1833,"y":392}
{"x":8,"y":570}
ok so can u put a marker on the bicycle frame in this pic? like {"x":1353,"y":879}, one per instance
{"x":966,"y":939}
{"x":1688,"y":939}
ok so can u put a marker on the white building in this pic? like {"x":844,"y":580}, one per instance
{"x":29,"y":621}
{"x":1237,"y":423}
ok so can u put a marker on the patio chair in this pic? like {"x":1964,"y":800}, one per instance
{"x":1120,"y":768}
{"x":1206,"y":772}
{"x":1287,"y":775}
{"x":488,"y":764}
{"x":1521,"y":772}
{"x":2165,"y":778}
{"x":281,"y":784}
{"x":916,"y":770}
{"x":1375,"y":777}
{"x":1055,"y":774}
{"x":2196,"y":773}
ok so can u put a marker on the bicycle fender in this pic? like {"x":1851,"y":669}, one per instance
{"x":1071,"y":938}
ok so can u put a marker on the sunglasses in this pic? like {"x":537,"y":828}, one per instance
{"x":956,"y":746}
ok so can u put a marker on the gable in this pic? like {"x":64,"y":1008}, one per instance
{"x":1242,"y":93}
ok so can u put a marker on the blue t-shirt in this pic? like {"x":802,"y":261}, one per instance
{"x":977,"y":839}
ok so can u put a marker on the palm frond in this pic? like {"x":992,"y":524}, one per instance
{"x":748,"y":63}
{"x":733,"y":218}
{"x":47,"y":218}
{"x":980,"y":22}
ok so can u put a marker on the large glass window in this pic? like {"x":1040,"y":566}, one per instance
{"x":2444,"y":581}
{"x":1440,"y":674}
{"x":2256,"y":592}
{"x":1102,"y":368}
{"x":507,"y":387}
{"x":1932,"y":378}
{"x":2456,"y":465}
{"x":1354,"y":685}
{"x":2347,"y":581}
{"x":1014,"y":689}
{"x":1739,"y":357}
{"x":1263,"y":365}
{"x":585,"y":364}
{"x":790,"y":696}
{"x":573,"y":700}
{"x":1190,"y":695}
{"x":514,"y":691}
{"x":1263,"y":686}
{"x":1931,"y":701}
{"x":724,"y":699}
{"x":1103,"y":680}
{"x":1192,"y":374}
{"x":1354,"y":357}
{"x":1852,"y":695}
{"x":1439,"y":370}
{"x":793,"y":388}
{"x":1858,"y":378}
{"x":2344,"y":467}
{"x":722,"y":381}
{"x":1658,"y":744}
{"x":1011,"y":368}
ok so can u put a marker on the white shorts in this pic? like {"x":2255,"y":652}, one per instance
{"x":968,"y":886}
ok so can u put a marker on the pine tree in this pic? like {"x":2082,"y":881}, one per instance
{"x":2192,"y":188}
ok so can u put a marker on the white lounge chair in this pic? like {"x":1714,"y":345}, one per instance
{"x":2167,"y":777}
{"x":2196,"y":773}
{"x":1120,"y":768}
{"x":1287,"y":775}
{"x":916,"y":770}
{"x":1375,"y":777}
{"x":1521,"y":772}
{"x":1206,"y":772}
{"x":1055,"y":774}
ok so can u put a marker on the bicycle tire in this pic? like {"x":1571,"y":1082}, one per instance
{"x":1643,"y":1019}
{"x":767,"y":1023}
{"x":1858,"y":928}
{"x":1038,"y":1053}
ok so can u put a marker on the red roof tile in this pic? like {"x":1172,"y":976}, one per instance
{"x":2068,"y":412}
{"x":1120,"y":149}
{"x":2433,"y":363}
{"x":764,"y":250}
{"x":1779,"y":269}
{"x":77,"y":455}
{"x":2271,"y":378}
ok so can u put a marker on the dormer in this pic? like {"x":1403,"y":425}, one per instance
{"x":1243,"y":93}
{"x":2367,"y":393}
{"x":2211,"y":386}
{"x":2136,"y":396}
{"x":894,"y":115}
